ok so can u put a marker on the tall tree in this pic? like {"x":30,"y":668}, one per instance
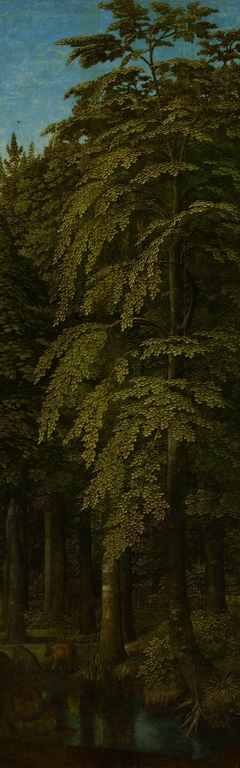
{"x":54,"y":553}
{"x":149,"y":213}
{"x":126,"y":596}
{"x":86,"y":579}
{"x":14,"y":605}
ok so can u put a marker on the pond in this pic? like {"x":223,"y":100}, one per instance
{"x":100,"y":716}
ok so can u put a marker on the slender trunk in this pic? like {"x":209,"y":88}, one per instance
{"x":58,"y":554}
{"x":86,"y":582}
{"x":4,"y":612}
{"x":54,"y":555}
{"x":126,"y":596}
{"x":16,"y":632}
{"x":214,"y":566}
{"x":47,"y":558}
{"x":192,"y":662}
{"x":6,"y":565}
{"x":112,"y":649}
{"x":24,"y":545}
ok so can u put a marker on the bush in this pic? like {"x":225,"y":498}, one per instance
{"x":216,"y":634}
{"x":160,"y":674}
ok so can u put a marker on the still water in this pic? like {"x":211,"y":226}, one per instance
{"x":95,"y":716}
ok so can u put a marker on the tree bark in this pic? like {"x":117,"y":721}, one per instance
{"x":54,"y":555}
{"x":129,"y":634}
{"x":6,"y":565}
{"x":86,"y":617}
{"x":47,"y":559}
{"x":112,"y":649}
{"x":16,"y":631}
{"x":192,"y":663}
{"x":214,"y":566}
{"x":23,"y":522}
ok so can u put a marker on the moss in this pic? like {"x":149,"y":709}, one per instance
{"x":47,"y":634}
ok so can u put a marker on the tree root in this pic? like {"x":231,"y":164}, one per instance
{"x":192,"y":720}
{"x":193,"y":716}
{"x":184,"y":704}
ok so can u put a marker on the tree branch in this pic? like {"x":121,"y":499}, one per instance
{"x":194,"y":295}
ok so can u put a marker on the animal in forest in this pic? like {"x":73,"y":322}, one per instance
{"x":64,"y":656}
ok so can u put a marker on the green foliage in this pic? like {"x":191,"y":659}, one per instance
{"x":21,"y":339}
{"x":215,"y":634}
{"x":160,"y":674}
{"x":76,"y":365}
{"x":222,"y":46}
{"x":133,"y":24}
{"x":158,"y":183}
{"x":25,"y":328}
{"x":149,"y":615}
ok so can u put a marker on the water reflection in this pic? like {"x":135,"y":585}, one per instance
{"x":111,"y":717}
{"x":115,"y":717}
{"x":152,"y":732}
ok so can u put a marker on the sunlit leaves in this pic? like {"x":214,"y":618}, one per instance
{"x":92,"y":49}
{"x":158,"y":185}
{"x":222,"y":46}
{"x":76,"y":364}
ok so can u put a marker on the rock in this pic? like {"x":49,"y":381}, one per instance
{"x":22,"y":708}
{"x":28,"y":704}
{"x":5,"y":727}
{"x":11,"y":678}
{"x":27,"y":663}
{"x":11,"y":683}
{"x":39,"y":727}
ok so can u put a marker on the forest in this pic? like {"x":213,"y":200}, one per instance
{"x":120,"y":377}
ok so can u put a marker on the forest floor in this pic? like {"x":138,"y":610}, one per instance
{"x":150,"y":617}
{"x":27,"y":754}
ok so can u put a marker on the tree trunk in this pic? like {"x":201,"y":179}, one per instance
{"x":23,"y":522}
{"x":47,"y":559}
{"x":126,"y":596}
{"x":86,"y":617}
{"x":214,"y":566}
{"x":112,"y":649}
{"x":54,"y":555}
{"x":58,"y":554}
{"x":192,"y":663}
{"x":16,"y":632}
{"x":6,"y":564}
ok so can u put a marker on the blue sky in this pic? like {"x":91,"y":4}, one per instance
{"x":34,"y":76}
